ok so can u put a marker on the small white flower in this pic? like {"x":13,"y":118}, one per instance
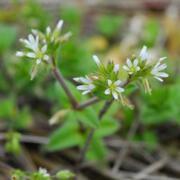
{"x":156,"y":70}
{"x":131,"y":67}
{"x":116,"y":68}
{"x":44,"y":172}
{"x":35,"y":50}
{"x":59,"y":25}
{"x":53,"y":35}
{"x":144,"y":55}
{"x":96,"y":60}
{"x":48,"y":31}
{"x":114,"y":89}
{"x":87,"y":86}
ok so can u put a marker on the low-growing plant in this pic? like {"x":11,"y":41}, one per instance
{"x":105,"y":84}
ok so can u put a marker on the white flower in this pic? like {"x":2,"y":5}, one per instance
{"x":156,"y":70}
{"x":44,"y":172}
{"x":144,"y":55}
{"x":114,"y":89}
{"x":35,"y":50}
{"x":96,"y":60}
{"x":87,"y":86}
{"x":53,"y":36}
{"x":59,"y":25}
{"x":131,"y":67}
{"x":116,"y":68}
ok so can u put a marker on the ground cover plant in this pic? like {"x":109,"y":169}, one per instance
{"x":80,"y":102}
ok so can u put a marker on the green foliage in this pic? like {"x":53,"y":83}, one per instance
{"x":163,"y":105}
{"x":97,"y":150}
{"x":65,"y":175}
{"x":15,"y":117}
{"x":35,"y":15}
{"x":78,"y":60}
{"x":18,"y":175}
{"x":109,"y":25}
{"x":88,"y":116}
{"x":72,"y":16}
{"x":65,"y":136}
{"x":13,"y":143}
{"x":8,"y":36}
{"x":150,"y":33}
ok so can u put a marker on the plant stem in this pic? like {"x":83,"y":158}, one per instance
{"x":62,"y":82}
{"x":91,"y":133}
{"x":59,"y":77}
{"x":87,"y":103}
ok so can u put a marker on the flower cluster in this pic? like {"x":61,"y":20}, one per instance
{"x":40,"y":47}
{"x":104,"y":83}
{"x":43,"y":172}
{"x":107,"y":80}
{"x":145,"y":62}
{"x":143,"y":66}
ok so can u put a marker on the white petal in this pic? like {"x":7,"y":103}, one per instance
{"x":82,"y":87}
{"x":138,"y":68}
{"x":19,"y":53}
{"x":162,"y":74}
{"x":107,"y":91}
{"x":125,"y":68}
{"x":86,"y":92}
{"x":44,"y":48}
{"x":162,"y":58}
{"x":116,"y":68}
{"x":31,"y":38}
{"x":158,"y":78}
{"x":46,"y":57}
{"x":31,"y":55}
{"x":48,"y":30}
{"x":129,"y":63}
{"x":144,"y":54}
{"x":117,"y":83}
{"x":96,"y":60}
{"x":115,"y":95}
{"x":59,"y":24}
{"x":38,"y":61}
{"x":135,"y":63}
{"x":82,"y":80}
{"x":77,"y":79}
{"x":119,"y":89}
{"x":91,"y":86}
{"x":161,"y":67}
{"x":109,"y":82}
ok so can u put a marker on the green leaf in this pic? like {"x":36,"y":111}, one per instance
{"x":65,"y":136}
{"x":108,"y":126}
{"x":97,"y":150}
{"x":88,"y":116}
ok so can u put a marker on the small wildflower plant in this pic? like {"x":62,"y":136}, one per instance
{"x":105,"y":83}
{"x":107,"y":80}
{"x":39,"y":47}
{"x":42,"y":174}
